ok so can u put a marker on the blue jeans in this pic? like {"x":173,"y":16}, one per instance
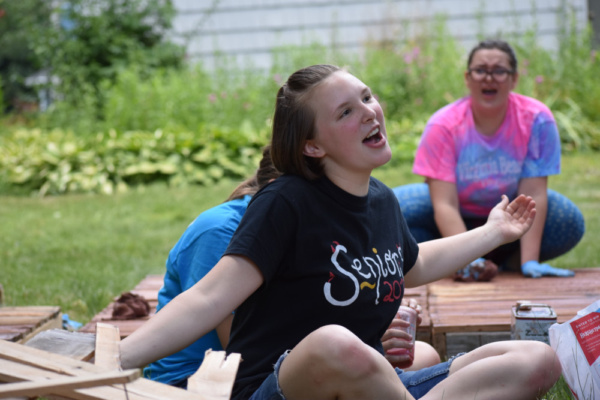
{"x":564,"y":226}
{"x":418,"y":382}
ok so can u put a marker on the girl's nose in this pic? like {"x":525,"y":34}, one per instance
{"x":369,"y":113}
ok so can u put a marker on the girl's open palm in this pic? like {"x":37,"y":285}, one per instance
{"x":513,"y":219}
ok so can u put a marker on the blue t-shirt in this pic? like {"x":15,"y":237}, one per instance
{"x":195,"y":254}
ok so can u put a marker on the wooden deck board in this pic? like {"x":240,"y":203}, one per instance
{"x":19,"y":324}
{"x":147,"y":288}
{"x":486,"y":307}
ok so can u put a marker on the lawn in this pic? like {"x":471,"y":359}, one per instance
{"x":79,"y":252}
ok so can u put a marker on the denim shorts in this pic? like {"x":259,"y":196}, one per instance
{"x":418,"y":382}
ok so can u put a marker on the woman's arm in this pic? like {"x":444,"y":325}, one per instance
{"x":531,"y":241}
{"x":446,"y":213}
{"x":439,"y":258}
{"x":193,"y":313}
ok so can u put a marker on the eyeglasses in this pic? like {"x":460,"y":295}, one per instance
{"x":497,"y":74}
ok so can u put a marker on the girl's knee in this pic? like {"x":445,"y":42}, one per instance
{"x":540,"y":364}
{"x":547,"y":361}
{"x":342,"y":352}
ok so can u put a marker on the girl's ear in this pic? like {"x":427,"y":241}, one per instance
{"x":311,"y":149}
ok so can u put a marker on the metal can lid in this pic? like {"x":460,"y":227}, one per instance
{"x":531,"y":310}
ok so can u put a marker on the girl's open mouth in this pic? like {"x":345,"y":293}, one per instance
{"x":374,"y":136}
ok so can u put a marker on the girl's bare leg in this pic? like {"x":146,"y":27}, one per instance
{"x":333,"y":363}
{"x":503,"y":370}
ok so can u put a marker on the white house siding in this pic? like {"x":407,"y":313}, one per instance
{"x":249,"y":29}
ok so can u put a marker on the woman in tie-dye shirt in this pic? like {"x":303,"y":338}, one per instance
{"x":490,"y":143}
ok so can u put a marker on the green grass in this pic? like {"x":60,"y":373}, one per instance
{"x":79,"y":252}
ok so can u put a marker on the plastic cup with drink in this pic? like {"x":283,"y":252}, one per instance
{"x":409,"y":315}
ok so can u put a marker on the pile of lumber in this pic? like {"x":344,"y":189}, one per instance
{"x":28,"y":371}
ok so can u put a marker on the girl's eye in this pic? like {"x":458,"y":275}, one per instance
{"x":345,"y":112}
{"x":367,"y":98}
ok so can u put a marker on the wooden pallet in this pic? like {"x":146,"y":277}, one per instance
{"x":148,"y":288}
{"x":28,"y":371}
{"x":483,"y":309}
{"x":19,"y":324}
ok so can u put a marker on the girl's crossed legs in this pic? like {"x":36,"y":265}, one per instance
{"x":333,"y":363}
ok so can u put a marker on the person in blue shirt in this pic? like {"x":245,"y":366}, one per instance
{"x":193,"y":256}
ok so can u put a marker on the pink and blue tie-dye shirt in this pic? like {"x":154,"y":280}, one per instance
{"x":526,"y":145}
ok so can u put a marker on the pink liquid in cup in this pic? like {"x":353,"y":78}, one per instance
{"x":410,"y":315}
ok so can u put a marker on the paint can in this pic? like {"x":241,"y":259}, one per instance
{"x":531,"y":321}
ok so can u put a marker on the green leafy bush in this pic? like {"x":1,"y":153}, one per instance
{"x":59,"y":162}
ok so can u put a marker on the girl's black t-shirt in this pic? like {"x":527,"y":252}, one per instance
{"x":327,"y":257}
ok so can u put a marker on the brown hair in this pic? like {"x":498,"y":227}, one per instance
{"x":294,"y":122}
{"x":265,"y":173}
{"x":501,"y":45}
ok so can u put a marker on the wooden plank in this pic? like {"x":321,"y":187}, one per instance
{"x":151,"y":281}
{"x":23,"y":373}
{"x":148,"y":288}
{"x":19,"y":324}
{"x":76,"y":345}
{"x":107,"y":346}
{"x":55,"y":322}
{"x":41,"y":388}
{"x":45,"y":360}
{"x":479,"y":308}
{"x":11,"y":336}
{"x":215,"y":376}
{"x":29,"y":310}
{"x":22,"y":363}
{"x":11,"y":371}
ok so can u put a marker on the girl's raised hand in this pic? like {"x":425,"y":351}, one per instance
{"x":513,"y":219}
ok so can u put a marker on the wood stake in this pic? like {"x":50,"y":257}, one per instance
{"x":107,"y":346}
{"x":215,"y":377}
{"x":41,"y":388}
